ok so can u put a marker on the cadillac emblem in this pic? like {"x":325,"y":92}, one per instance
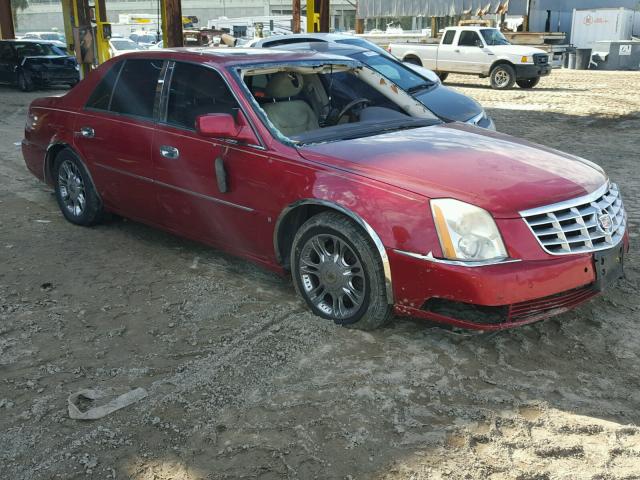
{"x":605,"y":222}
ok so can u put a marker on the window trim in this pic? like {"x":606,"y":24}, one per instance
{"x":164,"y":104}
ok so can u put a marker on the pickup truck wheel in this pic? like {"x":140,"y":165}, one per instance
{"x":75,"y":193}
{"x":442,"y":75}
{"x":24,"y":83}
{"x":503,"y":77}
{"x":528,"y":82}
{"x":338,"y":272}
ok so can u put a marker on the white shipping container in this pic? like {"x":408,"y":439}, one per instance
{"x":601,"y":24}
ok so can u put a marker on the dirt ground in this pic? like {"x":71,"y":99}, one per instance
{"x":244,"y":383}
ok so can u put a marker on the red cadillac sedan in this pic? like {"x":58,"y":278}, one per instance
{"x":319,"y":166}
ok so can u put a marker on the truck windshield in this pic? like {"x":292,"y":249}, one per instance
{"x":493,"y":37}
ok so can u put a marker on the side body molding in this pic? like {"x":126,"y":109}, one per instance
{"x":353,"y":216}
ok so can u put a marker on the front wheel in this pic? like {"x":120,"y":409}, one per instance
{"x":528,"y":82}
{"x":442,"y":75}
{"x":338,"y":273}
{"x":75,"y":193}
{"x":503,"y":77}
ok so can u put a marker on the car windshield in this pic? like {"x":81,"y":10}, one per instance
{"x":402,"y":76}
{"x":306,"y":104}
{"x":125,"y":45}
{"x":493,"y":37}
{"x":32,"y":49}
{"x":146,"y":39}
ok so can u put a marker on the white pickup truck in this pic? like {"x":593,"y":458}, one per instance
{"x":479,"y":51}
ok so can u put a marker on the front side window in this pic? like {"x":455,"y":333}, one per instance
{"x":469,"y":38}
{"x":194,"y":91}
{"x":101,"y":96}
{"x":135,"y":90}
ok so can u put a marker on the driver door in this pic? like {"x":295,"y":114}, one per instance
{"x":471,"y":55}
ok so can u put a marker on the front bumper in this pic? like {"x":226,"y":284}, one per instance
{"x":59,"y":76}
{"x":532,"y":71}
{"x":492,"y":297}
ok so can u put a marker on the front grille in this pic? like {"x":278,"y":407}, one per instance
{"x":549,"y":306}
{"x":586,"y":224}
{"x":540,"y":59}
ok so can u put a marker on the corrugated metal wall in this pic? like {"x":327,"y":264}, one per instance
{"x":433,"y":8}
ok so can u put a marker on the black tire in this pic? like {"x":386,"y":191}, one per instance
{"x":78,"y":201}
{"x":528,"y":82}
{"x":442,"y":75}
{"x":413,"y":61}
{"x":25,"y":84}
{"x":371,"y":309}
{"x":503,"y":77}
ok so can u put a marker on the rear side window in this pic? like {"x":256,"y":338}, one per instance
{"x":194,"y":91}
{"x":6,"y":52}
{"x":448,"y":37}
{"x":101,"y":96}
{"x":135,"y":90}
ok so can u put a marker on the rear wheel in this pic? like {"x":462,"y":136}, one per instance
{"x":503,"y":77}
{"x":24,"y":83}
{"x":338,"y":273}
{"x":528,"y":82}
{"x":442,"y":75}
{"x":75,"y":193}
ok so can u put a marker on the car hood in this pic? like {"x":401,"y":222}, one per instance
{"x":449,"y":104}
{"x":51,"y":60}
{"x":501,"y":174}
{"x":519,"y":50}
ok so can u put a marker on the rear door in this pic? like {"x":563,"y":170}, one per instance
{"x":446,"y":53}
{"x":114,"y":134}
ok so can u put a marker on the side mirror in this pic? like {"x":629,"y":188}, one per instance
{"x":223,"y":125}
{"x":479,"y":44}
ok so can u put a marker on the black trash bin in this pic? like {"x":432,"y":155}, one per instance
{"x":583,"y":58}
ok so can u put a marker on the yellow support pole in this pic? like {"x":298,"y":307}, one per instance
{"x":313,"y":17}
{"x":103,"y":32}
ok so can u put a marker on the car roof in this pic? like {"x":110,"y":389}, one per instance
{"x":28,"y":40}
{"x":233,"y":56}
{"x":324,"y":47}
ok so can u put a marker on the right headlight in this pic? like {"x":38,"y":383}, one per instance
{"x":466,"y":232}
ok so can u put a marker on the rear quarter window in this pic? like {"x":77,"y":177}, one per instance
{"x":448,"y":37}
{"x":100,"y":98}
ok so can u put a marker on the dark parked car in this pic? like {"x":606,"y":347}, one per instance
{"x":32,"y":63}
{"x":445,"y":102}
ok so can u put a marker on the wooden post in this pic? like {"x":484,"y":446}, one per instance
{"x":296,"y":16}
{"x":434,"y":27}
{"x":172,"y":24}
{"x":324,"y":16}
{"x":7,"y":29}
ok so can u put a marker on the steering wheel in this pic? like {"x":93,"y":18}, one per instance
{"x":349,"y":106}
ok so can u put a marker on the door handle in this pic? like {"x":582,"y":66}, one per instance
{"x":167,"y":151}
{"x":87,"y":132}
{"x":457,"y":50}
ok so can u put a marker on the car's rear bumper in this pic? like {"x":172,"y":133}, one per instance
{"x":532,"y":71}
{"x":492,"y":297}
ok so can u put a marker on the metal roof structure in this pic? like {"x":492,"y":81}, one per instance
{"x":438,"y":8}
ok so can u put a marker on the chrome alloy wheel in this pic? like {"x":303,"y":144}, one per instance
{"x":501,"y":78}
{"x":72,"y":189}
{"x":332,"y":276}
